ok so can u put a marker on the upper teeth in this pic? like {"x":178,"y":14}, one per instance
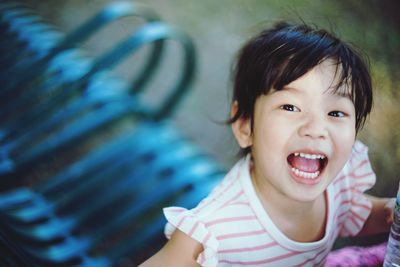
{"x":309,"y":156}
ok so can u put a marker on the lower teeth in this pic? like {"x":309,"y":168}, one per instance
{"x":307,"y":175}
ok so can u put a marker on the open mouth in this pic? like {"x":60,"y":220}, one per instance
{"x":307,"y":166}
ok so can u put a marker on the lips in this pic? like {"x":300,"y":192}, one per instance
{"x":307,"y":166}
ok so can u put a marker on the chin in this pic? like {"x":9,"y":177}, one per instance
{"x":307,"y":193}
{"x":308,"y":198}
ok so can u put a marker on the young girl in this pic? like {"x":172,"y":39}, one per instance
{"x":300,"y":97}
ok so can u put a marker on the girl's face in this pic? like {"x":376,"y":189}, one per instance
{"x":302,"y":136}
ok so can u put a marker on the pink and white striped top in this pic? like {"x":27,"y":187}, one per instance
{"x":235,"y":230}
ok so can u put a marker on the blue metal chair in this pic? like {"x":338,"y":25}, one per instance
{"x":53,"y":70}
{"x":25,"y":38}
{"x":178,"y":160}
{"x":14,"y":156}
{"x":30,"y":70}
{"x":103,"y":202}
{"x":81,"y":173}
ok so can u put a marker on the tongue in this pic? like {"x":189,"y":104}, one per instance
{"x":303,"y":164}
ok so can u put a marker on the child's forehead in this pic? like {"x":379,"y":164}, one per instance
{"x":327,"y":71}
{"x":326,"y":76}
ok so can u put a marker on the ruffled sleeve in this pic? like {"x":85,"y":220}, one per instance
{"x":190,"y":224}
{"x":360,"y":178}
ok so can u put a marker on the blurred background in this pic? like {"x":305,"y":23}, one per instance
{"x":219,"y":28}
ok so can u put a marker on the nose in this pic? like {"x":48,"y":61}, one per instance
{"x":313,"y":126}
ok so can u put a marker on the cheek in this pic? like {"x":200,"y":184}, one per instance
{"x":343,"y":142}
{"x":271,"y":137}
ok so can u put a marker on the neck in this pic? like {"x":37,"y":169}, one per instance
{"x":273,"y":200}
{"x":299,"y":221}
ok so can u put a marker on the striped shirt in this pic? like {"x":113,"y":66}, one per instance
{"x":235,"y":229}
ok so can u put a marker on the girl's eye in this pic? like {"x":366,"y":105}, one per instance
{"x":289,"y":107}
{"x":336,"y":113}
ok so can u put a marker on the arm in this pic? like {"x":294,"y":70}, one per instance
{"x":380,"y":218}
{"x":181,"y":250}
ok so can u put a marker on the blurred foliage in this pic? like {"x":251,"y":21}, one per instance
{"x":377,"y":28}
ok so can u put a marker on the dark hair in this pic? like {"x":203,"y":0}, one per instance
{"x":284,"y":53}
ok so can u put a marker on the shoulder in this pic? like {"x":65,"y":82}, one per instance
{"x":360,"y":147}
{"x":215,"y":216}
{"x":358,"y":165}
{"x":180,"y":250}
{"x":351,"y":206}
{"x":225,"y":201}
{"x":357,"y":175}
{"x":226,"y":193}
{"x":359,"y":152}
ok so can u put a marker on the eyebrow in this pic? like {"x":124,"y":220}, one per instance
{"x":296,"y":90}
{"x":340,"y":92}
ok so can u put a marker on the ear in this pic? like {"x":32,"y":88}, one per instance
{"x":241,"y":128}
